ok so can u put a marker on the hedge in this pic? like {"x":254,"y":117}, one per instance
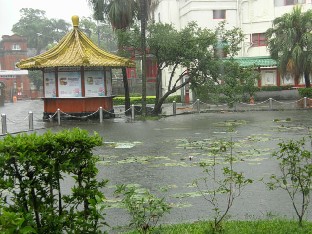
{"x":275,"y":88}
{"x":305,"y":92}
{"x":149,"y":100}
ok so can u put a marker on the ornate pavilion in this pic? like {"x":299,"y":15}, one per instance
{"x":77,"y":74}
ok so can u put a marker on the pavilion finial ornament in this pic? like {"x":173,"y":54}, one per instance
{"x":75,"y":20}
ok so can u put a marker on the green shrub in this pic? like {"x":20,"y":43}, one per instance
{"x":275,"y":88}
{"x":144,"y":208}
{"x":134,"y":100}
{"x":295,"y":176}
{"x":176,"y":98}
{"x":135,"y":95}
{"x":11,"y":222}
{"x":32,"y":168}
{"x":223,"y":183}
{"x":274,"y":226}
{"x":305,"y":92}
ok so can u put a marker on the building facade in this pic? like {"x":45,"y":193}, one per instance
{"x":254,"y":17}
{"x":16,"y":82}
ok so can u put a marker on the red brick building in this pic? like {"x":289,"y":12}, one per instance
{"x":12,"y":50}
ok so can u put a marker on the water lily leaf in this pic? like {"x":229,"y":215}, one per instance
{"x":104,"y":163}
{"x":180,"y":205}
{"x":230,"y":123}
{"x":160,"y":157}
{"x":176,"y":164}
{"x":138,"y":159}
{"x":167,"y":187}
{"x":171,"y":129}
{"x":124,"y":145}
{"x":284,"y":128}
{"x":191,"y":194}
{"x":110,"y":144}
{"x":252,"y":163}
{"x":142,"y":159}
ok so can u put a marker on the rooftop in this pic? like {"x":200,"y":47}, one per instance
{"x":75,"y":49}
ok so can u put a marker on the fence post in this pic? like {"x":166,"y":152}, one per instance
{"x":101,"y":115}
{"x":174,"y":105}
{"x":58,"y":116}
{"x":31,"y":120}
{"x":305,"y":102}
{"x":4,"y":125}
{"x":270,"y":103}
{"x":132,"y":111}
{"x":198,"y":105}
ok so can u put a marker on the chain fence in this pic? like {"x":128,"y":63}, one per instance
{"x":270,"y":104}
{"x":32,"y":121}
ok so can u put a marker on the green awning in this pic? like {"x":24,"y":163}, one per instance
{"x":263,"y":61}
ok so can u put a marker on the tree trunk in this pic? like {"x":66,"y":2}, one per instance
{"x":158,"y":105}
{"x":158,"y":86}
{"x":307,"y":79}
{"x":143,"y":49}
{"x":126,"y":88}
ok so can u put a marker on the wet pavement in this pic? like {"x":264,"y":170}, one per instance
{"x":155,"y":155}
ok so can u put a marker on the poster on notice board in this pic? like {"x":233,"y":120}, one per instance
{"x":69,"y":84}
{"x":49,"y":85}
{"x":94,"y":83}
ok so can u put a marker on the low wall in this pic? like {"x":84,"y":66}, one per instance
{"x":278,"y":95}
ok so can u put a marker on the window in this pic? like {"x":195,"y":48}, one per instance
{"x":293,"y":2}
{"x":258,"y":39}
{"x":288,"y":2}
{"x":218,"y":14}
{"x":288,"y":79}
{"x":16,"y":47}
{"x":268,"y":78}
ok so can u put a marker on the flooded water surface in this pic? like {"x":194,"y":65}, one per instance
{"x":156,"y":155}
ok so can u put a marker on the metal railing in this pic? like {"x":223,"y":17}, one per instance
{"x":196,"y":107}
{"x":60,"y":115}
{"x":269,"y":104}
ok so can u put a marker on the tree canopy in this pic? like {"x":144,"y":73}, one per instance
{"x":290,"y":43}
{"x":122,"y":14}
{"x":42,"y":33}
{"x":38,"y":29}
{"x":192,"y":55}
{"x":229,"y":84}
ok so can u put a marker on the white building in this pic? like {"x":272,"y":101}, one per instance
{"x":254,"y":17}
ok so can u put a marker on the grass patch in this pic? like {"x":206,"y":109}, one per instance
{"x":274,"y":226}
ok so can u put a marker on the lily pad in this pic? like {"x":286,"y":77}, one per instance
{"x":180,"y":205}
{"x":230,"y":123}
{"x":190,"y":194}
{"x":138,"y":159}
{"x":122,"y":145}
{"x":174,"y":164}
{"x":167,"y":187}
{"x":284,"y":128}
{"x":143,"y":159}
{"x":104,"y":163}
{"x":171,"y":129}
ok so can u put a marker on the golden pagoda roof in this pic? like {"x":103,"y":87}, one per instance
{"x":75,"y":49}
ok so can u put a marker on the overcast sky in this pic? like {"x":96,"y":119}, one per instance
{"x":58,"y":9}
